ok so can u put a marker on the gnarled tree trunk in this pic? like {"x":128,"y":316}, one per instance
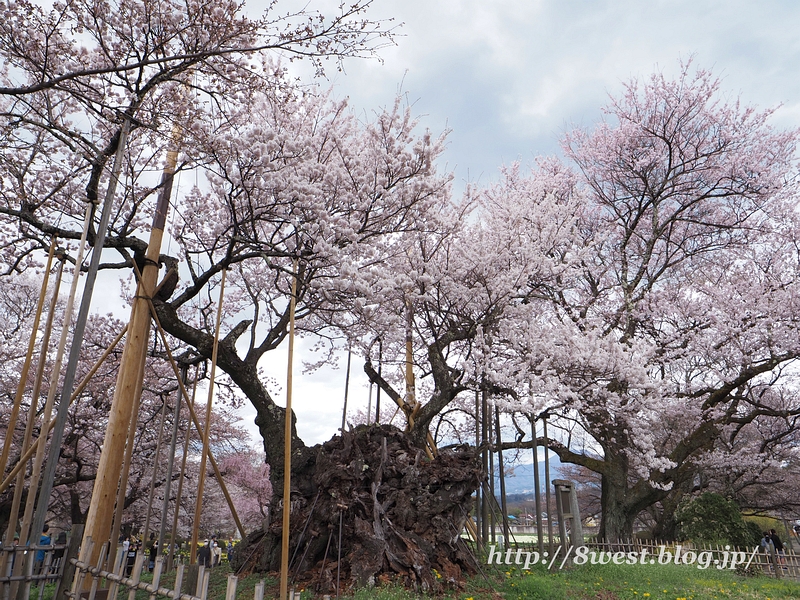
{"x":396,"y":514}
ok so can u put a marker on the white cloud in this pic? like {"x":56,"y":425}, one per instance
{"x":509,"y":77}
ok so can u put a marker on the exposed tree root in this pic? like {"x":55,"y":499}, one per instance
{"x":398,"y":515}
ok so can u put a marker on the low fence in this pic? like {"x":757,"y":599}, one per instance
{"x":25,"y":567}
{"x":746,"y":561}
{"x":92,"y":582}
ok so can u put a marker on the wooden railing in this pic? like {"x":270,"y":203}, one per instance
{"x":29,"y":566}
{"x":93,"y":582}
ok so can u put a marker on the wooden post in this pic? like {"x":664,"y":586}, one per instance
{"x":478,"y":494}
{"x":492,"y":492}
{"x":179,"y":578}
{"x":411,"y":396}
{"x":157,"y":569}
{"x":380,"y":374}
{"x":287,"y":451}
{"x":258,"y":591}
{"x":230,"y":590}
{"x":485,"y":460}
{"x":68,"y":570}
{"x":136,"y":575}
{"x":129,"y":383}
{"x":198,"y":507}
{"x":122,"y":488}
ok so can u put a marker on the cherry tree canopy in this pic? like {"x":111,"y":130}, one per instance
{"x":672,"y":330}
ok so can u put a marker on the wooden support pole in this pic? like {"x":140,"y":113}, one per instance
{"x":198,"y":507}
{"x":478,"y":495}
{"x":346,"y":390}
{"x":411,"y":396}
{"x":502,"y":475}
{"x":122,"y":487}
{"x":547,"y":487}
{"x":129,"y":384}
{"x":378,"y":392}
{"x":287,"y":450}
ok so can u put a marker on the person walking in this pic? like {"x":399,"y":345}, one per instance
{"x":779,"y":550}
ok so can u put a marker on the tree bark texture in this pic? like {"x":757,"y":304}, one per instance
{"x":397,"y":515}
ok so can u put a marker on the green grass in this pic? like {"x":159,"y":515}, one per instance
{"x":617,"y":582}
{"x":597,"y":582}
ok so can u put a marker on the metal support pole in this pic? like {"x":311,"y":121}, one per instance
{"x":77,"y":336}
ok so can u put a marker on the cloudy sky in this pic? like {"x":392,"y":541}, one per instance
{"x":508,"y":77}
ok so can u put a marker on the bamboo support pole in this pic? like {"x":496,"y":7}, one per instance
{"x":170,"y":466}
{"x":33,"y":483}
{"x":195,"y":420}
{"x":287,"y":449}
{"x":179,"y":491}
{"x":156,"y":464}
{"x":198,"y":507}
{"x":28,"y":435}
{"x":38,"y":444}
{"x":23,"y":378}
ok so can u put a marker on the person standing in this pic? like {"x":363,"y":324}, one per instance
{"x":216,"y":553}
{"x":45,"y":540}
{"x":153,"y":553}
{"x":204,"y":555}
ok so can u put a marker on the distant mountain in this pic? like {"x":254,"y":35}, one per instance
{"x":519,"y":479}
